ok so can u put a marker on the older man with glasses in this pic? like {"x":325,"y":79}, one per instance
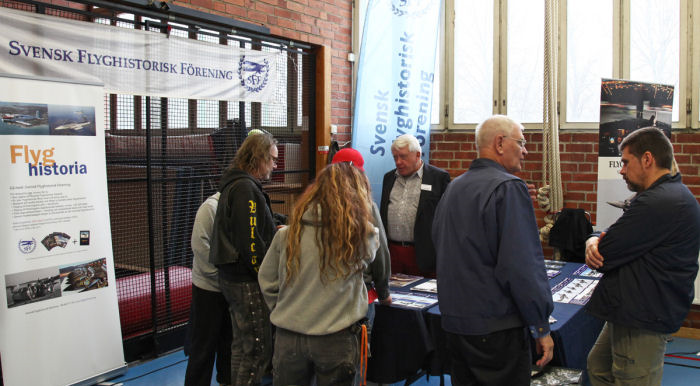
{"x":492,"y":284}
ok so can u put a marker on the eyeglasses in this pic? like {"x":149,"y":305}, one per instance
{"x":274,"y":159}
{"x":521,"y":142}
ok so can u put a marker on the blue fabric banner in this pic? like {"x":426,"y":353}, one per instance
{"x":395,"y":81}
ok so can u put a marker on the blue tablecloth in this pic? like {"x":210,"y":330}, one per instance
{"x":405,"y":342}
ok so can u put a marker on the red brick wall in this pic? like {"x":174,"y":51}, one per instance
{"x":579,"y":169}
{"x":579,"y":162}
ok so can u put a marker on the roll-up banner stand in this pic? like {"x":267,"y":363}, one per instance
{"x":60,"y":318}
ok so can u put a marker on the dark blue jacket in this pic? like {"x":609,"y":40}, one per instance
{"x":650,"y":260}
{"x":490,"y":267}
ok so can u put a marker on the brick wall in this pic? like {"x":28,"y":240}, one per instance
{"x":320,"y":22}
{"x":579,"y":169}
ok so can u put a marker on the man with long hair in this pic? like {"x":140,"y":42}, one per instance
{"x":311,"y":279}
{"x":243,"y":230}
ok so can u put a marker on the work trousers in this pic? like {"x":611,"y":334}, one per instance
{"x":627,"y":356}
{"x":209,"y":337}
{"x":333,"y":359}
{"x":499,"y":358}
{"x":251,"y":347}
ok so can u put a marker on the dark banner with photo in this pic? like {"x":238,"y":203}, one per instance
{"x":625,"y":106}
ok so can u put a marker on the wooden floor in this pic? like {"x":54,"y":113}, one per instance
{"x":689,"y":333}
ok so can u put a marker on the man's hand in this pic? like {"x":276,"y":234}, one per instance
{"x":533,"y":192}
{"x":386,"y":301}
{"x":545,"y":346}
{"x":594,"y":259}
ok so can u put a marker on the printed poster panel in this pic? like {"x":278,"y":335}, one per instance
{"x":395,"y":81}
{"x":129,"y":61}
{"x":625,"y":106}
{"x":60,"y":310}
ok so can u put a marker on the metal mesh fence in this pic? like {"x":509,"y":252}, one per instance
{"x":165,"y":157}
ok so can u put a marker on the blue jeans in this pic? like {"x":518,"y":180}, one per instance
{"x":627,"y":356}
{"x":333,"y":358}
{"x":251,"y":348}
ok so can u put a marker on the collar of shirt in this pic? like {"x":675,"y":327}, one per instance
{"x":418,"y":173}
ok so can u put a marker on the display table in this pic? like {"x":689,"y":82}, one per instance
{"x":406,"y":342}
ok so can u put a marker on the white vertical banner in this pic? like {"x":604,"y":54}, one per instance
{"x":395,"y":81}
{"x":60,"y":318}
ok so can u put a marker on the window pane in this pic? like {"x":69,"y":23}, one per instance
{"x":275,"y":113}
{"x":525,"y":60}
{"x":473,"y":61}
{"x":125,"y":112}
{"x":654,"y":44}
{"x":177,"y":113}
{"x":589,"y":57}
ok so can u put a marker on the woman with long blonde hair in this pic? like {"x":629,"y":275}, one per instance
{"x":312,"y":282}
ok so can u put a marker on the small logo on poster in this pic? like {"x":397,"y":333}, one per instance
{"x":26,"y":246}
{"x":410,"y":7}
{"x":84,"y":237}
{"x":253,"y":75}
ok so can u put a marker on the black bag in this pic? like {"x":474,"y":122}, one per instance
{"x":569,"y":234}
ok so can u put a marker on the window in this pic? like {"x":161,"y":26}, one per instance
{"x":494,"y":56}
{"x":589,"y":57}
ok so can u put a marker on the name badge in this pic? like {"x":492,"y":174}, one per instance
{"x":426,"y":187}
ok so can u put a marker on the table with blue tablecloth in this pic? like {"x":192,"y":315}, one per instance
{"x":407,"y":342}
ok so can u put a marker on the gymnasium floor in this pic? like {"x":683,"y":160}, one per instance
{"x":682,"y":368}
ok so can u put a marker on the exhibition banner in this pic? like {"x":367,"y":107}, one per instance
{"x":395,"y":81}
{"x":625,"y":106}
{"x":130,"y":61}
{"x":60,"y":318}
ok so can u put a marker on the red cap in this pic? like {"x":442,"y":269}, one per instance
{"x":349,"y":155}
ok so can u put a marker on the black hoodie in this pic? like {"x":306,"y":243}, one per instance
{"x":243,"y":227}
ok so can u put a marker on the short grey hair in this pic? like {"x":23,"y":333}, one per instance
{"x":495,"y":125}
{"x":406,"y":140}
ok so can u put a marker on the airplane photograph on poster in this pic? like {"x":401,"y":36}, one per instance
{"x":33,"y":286}
{"x":84,"y":276}
{"x":23,"y":119}
{"x":71,"y":120}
